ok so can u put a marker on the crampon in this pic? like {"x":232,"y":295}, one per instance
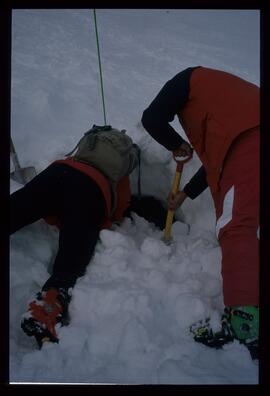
{"x":203,"y":333}
{"x":34,"y":328}
{"x":236,"y":324}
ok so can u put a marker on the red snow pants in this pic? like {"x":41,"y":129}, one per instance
{"x":237,"y":210}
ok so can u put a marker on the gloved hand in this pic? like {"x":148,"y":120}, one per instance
{"x":176,"y":200}
{"x":185,"y":150}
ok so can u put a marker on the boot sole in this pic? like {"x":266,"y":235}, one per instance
{"x":33,"y":328}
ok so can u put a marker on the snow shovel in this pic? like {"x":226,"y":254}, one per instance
{"x":20,"y":175}
{"x":179,"y":168}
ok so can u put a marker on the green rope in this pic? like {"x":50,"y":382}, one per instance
{"x":100,"y":70}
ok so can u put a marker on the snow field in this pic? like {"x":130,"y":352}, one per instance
{"x":131,"y":312}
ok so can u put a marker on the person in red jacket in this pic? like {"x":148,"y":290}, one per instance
{"x":220,"y":114}
{"x":77,"y":198}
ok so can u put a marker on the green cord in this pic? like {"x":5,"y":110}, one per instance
{"x":100,"y":70}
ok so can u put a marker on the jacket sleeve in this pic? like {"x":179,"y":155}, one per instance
{"x":53,"y":220}
{"x":171,"y":98}
{"x":197,"y":184}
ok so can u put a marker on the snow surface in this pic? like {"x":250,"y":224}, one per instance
{"x":131,"y":312}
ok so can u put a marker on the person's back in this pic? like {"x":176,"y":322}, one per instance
{"x":219,"y":108}
{"x":81,"y":200}
{"x":220,"y":114}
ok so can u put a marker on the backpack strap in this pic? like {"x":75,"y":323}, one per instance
{"x":72,"y":151}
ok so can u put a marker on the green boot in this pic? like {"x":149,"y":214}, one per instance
{"x":237,"y":322}
{"x":244,"y":321}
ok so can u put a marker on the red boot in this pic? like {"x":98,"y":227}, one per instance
{"x":45,"y":311}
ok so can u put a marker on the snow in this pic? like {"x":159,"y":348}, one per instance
{"x":131,"y":312}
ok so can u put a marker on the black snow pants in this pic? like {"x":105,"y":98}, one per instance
{"x":79,"y":204}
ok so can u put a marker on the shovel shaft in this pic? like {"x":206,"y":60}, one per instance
{"x":20,"y":175}
{"x":170,"y":214}
{"x":168,"y":226}
{"x":176,"y":180}
{"x":14,"y":156}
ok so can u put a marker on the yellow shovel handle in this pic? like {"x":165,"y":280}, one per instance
{"x":170,"y":214}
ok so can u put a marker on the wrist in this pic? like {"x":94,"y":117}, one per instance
{"x":181,"y":196}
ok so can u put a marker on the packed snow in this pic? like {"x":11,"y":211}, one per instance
{"x":131,"y":311}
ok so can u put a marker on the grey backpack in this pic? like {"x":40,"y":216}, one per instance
{"x":109,"y":150}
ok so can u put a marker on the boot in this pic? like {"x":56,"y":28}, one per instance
{"x":49,"y":308}
{"x":245,"y":325}
{"x":238,"y":322}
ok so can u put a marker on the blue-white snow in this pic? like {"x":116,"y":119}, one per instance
{"x":131,"y":312}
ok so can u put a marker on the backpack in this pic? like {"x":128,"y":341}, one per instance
{"x":110,"y":151}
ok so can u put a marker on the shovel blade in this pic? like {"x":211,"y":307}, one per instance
{"x":167,"y":241}
{"x":23,"y":175}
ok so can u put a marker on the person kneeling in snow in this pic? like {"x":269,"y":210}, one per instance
{"x":77,"y":198}
{"x":219,"y":113}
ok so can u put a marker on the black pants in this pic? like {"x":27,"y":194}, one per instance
{"x":80,"y":206}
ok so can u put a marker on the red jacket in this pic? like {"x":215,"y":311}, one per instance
{"x":220,"y":107}
{"x":123,"y":193}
